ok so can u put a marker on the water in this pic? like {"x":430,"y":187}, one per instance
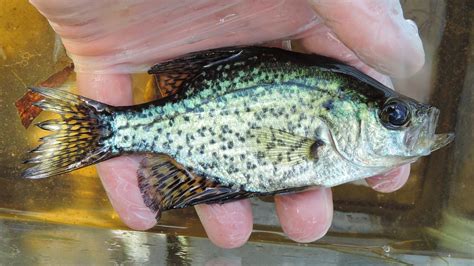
{"x":430,"y":220}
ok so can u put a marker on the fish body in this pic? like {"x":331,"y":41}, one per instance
{"x":216,"y":132}
{"x":244,"y":121}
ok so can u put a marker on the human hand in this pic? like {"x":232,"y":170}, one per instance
{"x":107,"y":40}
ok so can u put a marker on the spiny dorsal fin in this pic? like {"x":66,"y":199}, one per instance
{"x":281,"y":147}
{"x":165,"y":184}
{"x":168,"y":84}
{"x":170,"y":76}
{"x":195,"y":62}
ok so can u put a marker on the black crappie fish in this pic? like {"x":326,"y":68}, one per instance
{"x":245,"y":121}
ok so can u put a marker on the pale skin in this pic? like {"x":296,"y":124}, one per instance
{"x":107,"y":41}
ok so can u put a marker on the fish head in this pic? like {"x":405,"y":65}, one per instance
{"x":410,"y":128}
{"x":417,"y":137}
{"x":396,"y":131}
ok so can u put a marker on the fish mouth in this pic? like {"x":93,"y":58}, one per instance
{"x":441,"y":140}
{"x":422,"y":139}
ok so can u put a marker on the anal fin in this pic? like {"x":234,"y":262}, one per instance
{"x":165,"y":185}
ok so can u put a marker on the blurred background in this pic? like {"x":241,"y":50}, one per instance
{"x":68,"y":219}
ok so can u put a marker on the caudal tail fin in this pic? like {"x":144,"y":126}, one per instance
{"x":79,"y":137}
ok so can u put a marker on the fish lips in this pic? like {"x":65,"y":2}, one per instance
{"x":422,"y":139}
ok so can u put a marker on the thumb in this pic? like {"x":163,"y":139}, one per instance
{"x":377,"y":32}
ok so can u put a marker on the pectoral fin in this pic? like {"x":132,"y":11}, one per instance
{"x":165,"y":184}
{"x":282,"y":147}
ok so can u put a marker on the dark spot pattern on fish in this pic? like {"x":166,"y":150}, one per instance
{"x":213,"y":119}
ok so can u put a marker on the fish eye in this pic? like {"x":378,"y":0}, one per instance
{"x":394,"y":114}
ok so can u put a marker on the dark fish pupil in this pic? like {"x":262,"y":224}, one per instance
{"x":395,"y":114}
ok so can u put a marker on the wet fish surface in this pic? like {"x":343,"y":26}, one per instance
{"x":244,"y":121}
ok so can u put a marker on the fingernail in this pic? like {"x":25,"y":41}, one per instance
{"x":389,"y":181}
{"x":384,"y":182}
{"x":415,"y":55}
{"x":411,"y":26}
